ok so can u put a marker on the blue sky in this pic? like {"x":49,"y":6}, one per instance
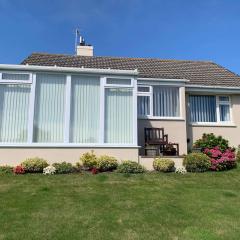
{"x":168,"y":29}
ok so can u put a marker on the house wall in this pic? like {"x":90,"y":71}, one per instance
{"x":14,"y":156}
{"x":231,"y":132}
{"x":176,"y":129}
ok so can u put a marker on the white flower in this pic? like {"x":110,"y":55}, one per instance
{"x":180,"y":170}
{"x":49,"y":170}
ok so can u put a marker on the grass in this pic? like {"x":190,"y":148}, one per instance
{"x":117,"y":206}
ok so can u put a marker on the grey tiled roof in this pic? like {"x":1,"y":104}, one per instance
{"x":198,"y":72}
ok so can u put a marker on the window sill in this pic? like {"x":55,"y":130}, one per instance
{"x":161,"y":118}
{"x":212,"y":124}
{"x":66,"y":145}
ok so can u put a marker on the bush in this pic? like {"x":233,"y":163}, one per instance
{"x":6,"y":169}
{"x":89,"y":160}
{"x":238,"y":155}
{"x":106,"y":163}
{"x":163,"y":165}
{"x":78,"y":167}
{"x":18,"y":170}
{"x":211,"y":141}
{"x":64,"y":167}
{"x":50,"y":170}
{"x":34,"y":165}
{"x":221,"y":161}
{"x":130,"y":167}
{"x":197,"y":162}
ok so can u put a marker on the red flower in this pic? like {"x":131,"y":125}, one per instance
{"x":94,"y":171}
{"x":18,"y":170}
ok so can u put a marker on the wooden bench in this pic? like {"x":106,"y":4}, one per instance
{"x":155,"y":137}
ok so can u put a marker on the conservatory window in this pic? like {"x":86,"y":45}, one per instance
{"x":49,"y":108}
{"x":14,"y":110}
{"x":118,"y":115}
{"x":15,"y":77}
{"x":85,"y":110}
{"x":61,"y":109}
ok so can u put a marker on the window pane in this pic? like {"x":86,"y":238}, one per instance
{"x":49,"y":108}
{"x":165,"y":101}
{"x":143,"y":89}
{"x":143,"y":105}
{"x":202,"y":108}
{"x":15,"y":76}
{"x":223,"y":99}
{"x":118,"y":81}
{"x":224,"y":113}
{"x":85,"y":110}
{"x":14,"y":108}
{"x":118,"y":115}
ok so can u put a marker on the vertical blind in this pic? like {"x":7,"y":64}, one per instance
{"x":85,"y":110}
{"x":49,"y":108}
{"x":118,"y":115}
{"x":14,"y":111}
{"x":143,"y":105}
{"x":165,"y":101}
{"x":202,"y":108}
{"x":224,"y":113}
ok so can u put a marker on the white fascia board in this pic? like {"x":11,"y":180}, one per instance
{"x":164,"y":79}
{"x":67,"y":69}
{"x":212,"y":89}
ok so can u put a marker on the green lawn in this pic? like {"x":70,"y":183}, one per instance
{"x":116,"y":206}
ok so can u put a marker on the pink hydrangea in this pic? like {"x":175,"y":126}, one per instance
{"x":221,"y":160}
{"x":214,"y":152}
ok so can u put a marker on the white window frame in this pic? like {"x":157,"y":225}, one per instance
{"x":14,"y":81}
{"x":66,"y":142}
{"x":150,"y":94}
{"x":103,"y":86}
{"x":218,"y":103}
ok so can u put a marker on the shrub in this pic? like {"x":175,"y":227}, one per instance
{"x":18,"y":170}
{"x":211,"y":141}
{"x":130,"y":167}
{"x":222,"y":164}
{"x":197,"y":162}
{"x":163,"y":165}
{"x":50,"y":170}
{"x":89,"y":160}
{"x":106,"y":163}
{"x":238,"y":155}
{"x":6,"y":169}
{"x":221,"y":161}
{"x":78,"y":167}
{"x":64,"y":167}
{"x":34,"y":165}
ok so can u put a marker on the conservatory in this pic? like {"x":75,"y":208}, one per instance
{"x":46,"y":108}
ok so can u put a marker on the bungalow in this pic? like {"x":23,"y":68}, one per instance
{"x":59,"y":106}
